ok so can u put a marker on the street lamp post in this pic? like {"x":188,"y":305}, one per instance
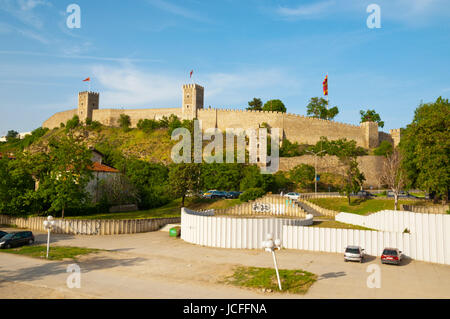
{"x":270,"y":246}
{"x":48,"y":225}
{"x":315,"y":167}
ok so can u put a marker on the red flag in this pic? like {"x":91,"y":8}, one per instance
{"x":325,"y":86}
{"x":190,"y":74}
{"x":87,"y":80}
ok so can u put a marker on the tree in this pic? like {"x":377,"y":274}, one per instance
{"x":347,"y":153}
{"x":289,"y":149}
{"x":318,"y":108}
{"x":393,"y":174}
{"x":72,"y":123}
{"x":255,"y":104}
{"x":124,"y":121}
{"x":275,"y":106}
{"x":425,"y":146}
{"x":303,"y":175}
{"x":183,"y":178}
{"x":371,"y":116}
{"x":384,"y":149}
{"x":70,"y":162}
{"x":12,"y":135}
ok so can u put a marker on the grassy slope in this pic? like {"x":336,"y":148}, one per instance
{"x":170,"y":210}
{"x":358,"y":206}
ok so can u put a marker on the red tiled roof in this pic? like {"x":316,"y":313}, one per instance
{"x":97,"y":167}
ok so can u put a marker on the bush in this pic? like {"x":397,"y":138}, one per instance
{"x":147,"y":125}
{"x":384,"y":149}
{"x":124,"y":121}
{"x":252,"y":194}
{"x":72,"y":123}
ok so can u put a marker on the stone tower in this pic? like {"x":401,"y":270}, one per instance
{"x":396,"y":135}
{"x":193,"y":95}
{"x":370,"y":132}
{"x":87,"y":101}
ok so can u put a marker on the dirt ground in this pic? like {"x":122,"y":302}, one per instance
{"x":153,"y":265}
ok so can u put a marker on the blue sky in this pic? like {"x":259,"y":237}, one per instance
{"x":139,"y":53}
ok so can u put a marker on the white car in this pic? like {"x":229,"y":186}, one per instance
{"x":292,"y":195}
{"x":354,"y":253}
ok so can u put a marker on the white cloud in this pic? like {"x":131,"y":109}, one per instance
{"x":129,"y":87}
{"x":23,"y":10}
{"x":305,"y":11}
{"x":177,"y":10}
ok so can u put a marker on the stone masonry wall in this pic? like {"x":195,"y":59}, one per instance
{"x":58,"y":118}
{"x":370,"y":165}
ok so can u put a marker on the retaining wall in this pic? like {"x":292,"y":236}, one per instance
{"x":91,"y":227}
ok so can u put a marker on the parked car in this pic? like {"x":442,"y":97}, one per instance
{"x":292,"y":195}
{"x":215,"y":194}
{"x":401,"y":194}
{"x":233,"y":194}
{"x":354,"y":253}
{"x":391,"y":256}
{"x":3,"y":233}
{"x":363,"y":194}
{"x":17,"y":239}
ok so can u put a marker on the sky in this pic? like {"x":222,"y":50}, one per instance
{"x":139,"y":53}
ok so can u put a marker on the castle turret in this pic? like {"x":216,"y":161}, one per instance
{"x":193,"y":96}
{"x":370,"y":132}
{"x":87,"y":102}
{"x":396,"y":135}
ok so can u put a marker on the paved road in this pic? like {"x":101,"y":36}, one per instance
{"x":152,"y":265}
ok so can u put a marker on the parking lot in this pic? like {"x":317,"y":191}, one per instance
{"x":153,"y":265}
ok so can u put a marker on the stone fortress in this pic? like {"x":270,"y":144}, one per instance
{"x":296,"y":128}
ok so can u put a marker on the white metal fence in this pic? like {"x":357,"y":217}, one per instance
{"x":229,"y":232}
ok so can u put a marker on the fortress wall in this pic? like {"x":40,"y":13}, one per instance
{"x":308,"y":130}
{"x":383,"y":136}
{"x":370,"y":165}
{"x":110,"y":116}
{"x":238,"y":118}
{"x":61,"y":117}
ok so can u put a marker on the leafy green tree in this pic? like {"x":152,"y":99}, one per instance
{"x":256,"y":104}
{"x":184,"y":178}
{"x":148,"y":125}
{"x":124,"y":122}
{"x":252,"y":194}
{"x":275,"y":106}
{"x":70,"y":162}
{"x":72,"y":123}
{"x":225,"y":177}
{"x":252,"y":178}
{"x":318,"y":108}
{"x":385,"y":149}
{"x":289,"y":149}
{"x":425,"y":145}
{"x":11,"y":135}
{"x":303,"y":175}
{"x":371,"y":116}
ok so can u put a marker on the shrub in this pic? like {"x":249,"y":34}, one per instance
{"x":124,"y":121}
{"x":147,"y":125}
{"x":252,"y":194}
{"x":384,"y":149}
{"x":72,"y":123}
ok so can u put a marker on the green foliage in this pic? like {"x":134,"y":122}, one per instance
{"x":340,"y":148}
{"x":317,"y":108}
{"x":225,"y":177}
{"x":124,"y":121}
{"x":303,"y":175}
{"x":371,"y":116}
{"x":93,"y":125}
{"x":425,"y":145}
{"x":72,"y":123}
{"x":70,"y":162}
{"x":11,"y":135}
{"x":252,"y":194}
{"x":255,"y":104}
{"x":384,"y":149}
{"x":274,"y":106}
{"x":184,"y":178}
{"x":289,"y":149}
{"x":148,"y":125}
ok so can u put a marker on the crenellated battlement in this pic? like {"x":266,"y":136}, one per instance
{"x":295,"y":127}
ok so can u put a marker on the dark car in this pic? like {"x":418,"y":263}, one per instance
{"x":2,"y":233}
{"x":233,"y":194}
{"x":363,"y":194}
{"x":17,"y":239}
{"x":391,"y":256}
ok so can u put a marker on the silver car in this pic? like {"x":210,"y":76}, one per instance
{"x":354,"y":253}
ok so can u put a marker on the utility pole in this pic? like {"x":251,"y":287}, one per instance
{"x":315,"y":168}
